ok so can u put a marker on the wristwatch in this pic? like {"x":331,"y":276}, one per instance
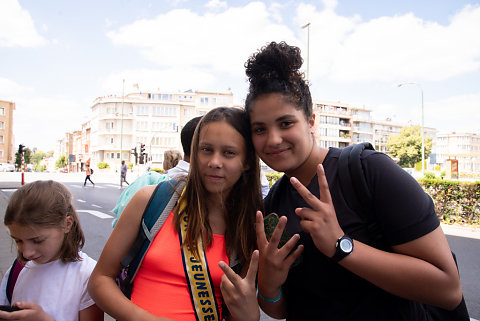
{"x":344,"y":247}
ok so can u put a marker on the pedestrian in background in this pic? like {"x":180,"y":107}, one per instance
{"x":214,"y":217}
{"x":123,"y":174}
{"x":88,"y":173}
{"x":52,"y":285}
{"x":341,"y":272}
{"x":171,"y":158}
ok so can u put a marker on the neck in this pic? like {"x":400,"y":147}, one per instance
{"x":307,"y":170}
{"x":216,"y":215}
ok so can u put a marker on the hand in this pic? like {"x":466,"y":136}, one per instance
{"x":321,"y":220}
{"x":240,"y":294}
{"x":30,"y":312}
{"x":274,"y":263}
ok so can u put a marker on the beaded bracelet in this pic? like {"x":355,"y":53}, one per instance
{"x":270,"y":300}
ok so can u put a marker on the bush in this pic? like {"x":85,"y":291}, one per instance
{"x":273,"y":177}
{"x":455,"y":202}
{"x":158,"y":170}
{"x":429,"y":175}
{"x":130,"y":165}
{"x":103,"y":165}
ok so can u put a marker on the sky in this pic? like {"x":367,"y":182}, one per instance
{"x":57,"y":56}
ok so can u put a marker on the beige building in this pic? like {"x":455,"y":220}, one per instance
{"x":118,"y":125}
{"x":464,"y":147}
{"x":7,"y":141}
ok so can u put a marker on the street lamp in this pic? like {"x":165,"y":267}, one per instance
{"x":308,"y":45}
{"x":422,"y":130}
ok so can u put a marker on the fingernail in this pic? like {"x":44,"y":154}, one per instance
{"x":293,"y":180}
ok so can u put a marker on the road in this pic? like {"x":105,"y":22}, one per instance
{"x":94,"y":205}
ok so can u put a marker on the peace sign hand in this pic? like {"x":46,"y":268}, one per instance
{"x":321,"y":220}
{"x":239,"y":294}
{"x":274,"y":262}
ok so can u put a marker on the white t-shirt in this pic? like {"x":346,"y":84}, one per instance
{"x":59,"y":288}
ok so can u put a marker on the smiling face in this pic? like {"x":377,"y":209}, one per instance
{"x":40,"y":244}
{"x":281,"y":134}
{"x":221,"y":157}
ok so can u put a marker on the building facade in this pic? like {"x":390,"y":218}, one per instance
{"x":7,"y":140}
{"x":120,"y":124}
{"x":464,"y":147}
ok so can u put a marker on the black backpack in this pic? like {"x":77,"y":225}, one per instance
{"x":358,"y":198}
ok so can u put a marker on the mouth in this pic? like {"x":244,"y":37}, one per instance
{"x":278,"y":152}
{"x":214,"y":178}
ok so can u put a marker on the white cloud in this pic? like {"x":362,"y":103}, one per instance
{"x":216,"y":5}
{"x":220,"y":42}
{"x":17,"y":27}
{"x":348,"y":49}
{"x":9,"y":89}
{"x":457,"y":113}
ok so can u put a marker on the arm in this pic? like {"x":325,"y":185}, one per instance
{"x":92,"y":313}
{"x":421,"y":270}
{"x":102,"y":286}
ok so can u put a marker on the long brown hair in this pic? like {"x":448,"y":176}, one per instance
{"x":46,"y":204}
{"x":242,"y":202}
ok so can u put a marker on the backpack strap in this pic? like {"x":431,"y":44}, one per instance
{"x":159,"y":206}
{"x":12,"y":278}
{"x":355,"y":189}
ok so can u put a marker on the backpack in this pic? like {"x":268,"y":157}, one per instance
{"x":91,"y":171}
{"x":358,"y":198}
{"x":12,"y":279}
{"x":161,"y":203}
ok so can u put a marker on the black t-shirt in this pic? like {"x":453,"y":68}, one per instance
{"x":320,"y":289}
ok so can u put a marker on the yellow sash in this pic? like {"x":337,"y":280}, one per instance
{"x":198,"y":277}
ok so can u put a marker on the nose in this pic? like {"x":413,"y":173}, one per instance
{"x":215,"y":161}
{"x":28,"y":251}
{"x":273,"y":137}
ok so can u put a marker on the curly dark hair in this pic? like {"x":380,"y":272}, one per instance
{"x":275,"y":69}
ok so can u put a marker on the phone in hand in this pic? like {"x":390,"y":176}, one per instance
{"x":9,"y":308}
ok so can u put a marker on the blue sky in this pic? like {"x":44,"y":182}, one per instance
{"x":57,"y":56}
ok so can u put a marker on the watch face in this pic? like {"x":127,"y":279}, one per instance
{"x":346,"y":245}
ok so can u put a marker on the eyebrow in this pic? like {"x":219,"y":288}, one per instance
{"x":279,"y":119}
{"x":206,"y":144}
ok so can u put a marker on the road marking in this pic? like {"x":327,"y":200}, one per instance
{"x":96,"y":206}
{"x":96,"y":213}
{"x":112,"y":185}
{"x":9,"y":190}
{"x":81,"y":201}
{"x":76,"y":186}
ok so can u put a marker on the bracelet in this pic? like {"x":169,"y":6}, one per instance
{"x":270,"y":300}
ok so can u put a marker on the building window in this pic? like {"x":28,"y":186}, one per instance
{"x":112,"y":155}
{"x":1,"y":125}
{"x":118,"y":155}
{"x":2,"y":111}
{"x":142,"y":110}
{"x":1,"y":139}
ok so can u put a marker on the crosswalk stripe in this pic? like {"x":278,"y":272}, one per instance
{"x":96,"y":213}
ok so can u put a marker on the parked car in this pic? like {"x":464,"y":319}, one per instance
{"x":6,"y":167}
{"x":62,"y":170}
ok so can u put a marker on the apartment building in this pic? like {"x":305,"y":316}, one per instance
{"x":464,"y":147}
{"x":119,"y":124}
{"x":7,"y":141}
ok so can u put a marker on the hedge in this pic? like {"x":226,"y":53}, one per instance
{"x":455,"y":201}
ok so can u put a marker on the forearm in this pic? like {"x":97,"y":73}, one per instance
{"x":276,"y":310}
{"x":405,"y":276}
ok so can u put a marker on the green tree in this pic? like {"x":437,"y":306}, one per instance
{"x":407,"y":146}
{"x":61,"y":162}
{"x":36,"y":159}
{"x":27,"y":153}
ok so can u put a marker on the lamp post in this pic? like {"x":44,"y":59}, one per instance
{"x":422,"y":130}
{"x":308,"y":45}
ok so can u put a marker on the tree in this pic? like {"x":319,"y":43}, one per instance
{"x":407,"y":146}
{"x":61,"y":162}
{"x":26,"y":157}
{"x":36,"y":159}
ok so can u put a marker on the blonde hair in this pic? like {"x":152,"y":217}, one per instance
{"x":46,"y":204}
{"x":171,"y":158}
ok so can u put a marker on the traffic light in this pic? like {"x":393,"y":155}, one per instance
{"x":142,"y":149}
{"x":135,"y":154}
{"x":21,"y":148}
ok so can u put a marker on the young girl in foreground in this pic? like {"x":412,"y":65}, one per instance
{"x":362,"y":281}
{"x":53,"y":283}
{"x":220,"y":197}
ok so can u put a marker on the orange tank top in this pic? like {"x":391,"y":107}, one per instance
{"x":160,"y":286}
